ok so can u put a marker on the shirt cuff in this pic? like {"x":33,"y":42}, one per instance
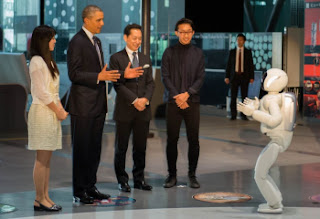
{"x":134,"y":101}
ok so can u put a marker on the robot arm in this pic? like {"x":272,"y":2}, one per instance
{"x":271,"y":119}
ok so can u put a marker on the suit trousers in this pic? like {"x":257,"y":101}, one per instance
{"x":243,"y":82}
{"x":86,"y":141}
{"x":191,"y":117}
{"x":139,"y":129}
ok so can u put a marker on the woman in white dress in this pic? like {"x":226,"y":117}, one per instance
{"x":45,"y":114}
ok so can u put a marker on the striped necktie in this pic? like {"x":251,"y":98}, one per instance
{"x":95,"y":40}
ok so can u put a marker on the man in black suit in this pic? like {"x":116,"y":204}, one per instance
{"x":132,"y":111}
{"x":183,"y":72}
{"x":239,"y":72}
{"x":88,"y":103}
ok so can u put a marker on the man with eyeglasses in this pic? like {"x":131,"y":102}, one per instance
{"x":183,"y":71}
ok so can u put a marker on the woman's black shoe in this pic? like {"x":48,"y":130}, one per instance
{"x":45,"y":208}
{"x":37,"y":208}
{"x":58,"y":206}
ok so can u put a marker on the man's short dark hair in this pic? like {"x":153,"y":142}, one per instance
{"x":184,"y":21}
{"x":89,"y":11}
{"x":241,"y":35}
{"x":128,"y":28}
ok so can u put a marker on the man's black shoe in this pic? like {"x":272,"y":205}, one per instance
{"x":233,"y":118}
{"x":142,"y":185}
{"x":94,"y":193}
{"x":83,"y":198}
{"x":193,"y":182}
{"x":124,"y":187}
{"x":170,"y":181}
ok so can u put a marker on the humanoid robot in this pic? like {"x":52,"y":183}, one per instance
{"x":277,"y":113}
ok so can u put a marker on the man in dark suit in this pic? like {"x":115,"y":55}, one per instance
{"x":239,"y":72}
{"x":183,"y":72}
{"x":132,"y":111}
{"x":88,"y":103}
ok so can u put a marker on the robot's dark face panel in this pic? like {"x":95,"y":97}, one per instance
{"x":263,"y":78}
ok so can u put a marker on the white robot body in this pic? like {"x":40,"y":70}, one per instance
{"x":286,"y":117}
{"x":277,"y":114}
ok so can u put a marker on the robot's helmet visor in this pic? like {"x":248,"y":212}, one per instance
{"x":263,"y":78}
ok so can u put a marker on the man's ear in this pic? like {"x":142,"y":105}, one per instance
{"x":85,"y":20}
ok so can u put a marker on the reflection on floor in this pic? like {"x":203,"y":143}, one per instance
{"x":228,"y":152}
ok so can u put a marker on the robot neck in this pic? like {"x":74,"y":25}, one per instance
{"x":273,"y":92}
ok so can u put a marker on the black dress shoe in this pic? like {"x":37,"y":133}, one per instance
{"x":42,"y":207}
{"x":233,"y":118}
{"x":124,"y":187}
{"x":170,"y":181}
{"x":83,"y":198}
{"x":95,"y":194}
{"x":142,"y":185}
{"x":193,"y":182}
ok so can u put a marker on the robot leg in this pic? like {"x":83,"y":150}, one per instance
{"x":265,"y":183}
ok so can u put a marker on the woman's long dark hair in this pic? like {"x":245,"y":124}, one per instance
{"x":39,"y":46}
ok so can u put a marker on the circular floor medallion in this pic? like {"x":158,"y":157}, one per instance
{"x":6,"y":208}
{"x":115,"y":201}
{"x":222,"y":197}
{"x":315,"y":198}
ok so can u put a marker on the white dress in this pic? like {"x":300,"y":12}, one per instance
{"x":44,"y":129}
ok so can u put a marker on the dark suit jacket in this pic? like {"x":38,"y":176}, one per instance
{"x":248,"y":67}
{"x":87,"y":98}
{"x":130,"y":89}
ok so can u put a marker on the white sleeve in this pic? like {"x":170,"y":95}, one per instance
{"x":38,"y":81}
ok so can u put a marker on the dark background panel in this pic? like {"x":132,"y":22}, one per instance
{"x":215,"y":16}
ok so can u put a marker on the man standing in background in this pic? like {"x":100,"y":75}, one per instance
{"x":239,"y":72}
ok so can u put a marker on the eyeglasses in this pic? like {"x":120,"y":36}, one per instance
{"x":185,"y":33}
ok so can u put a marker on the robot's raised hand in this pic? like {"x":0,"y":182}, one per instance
{"x":255,"y":103}
{"x":246,"y":109}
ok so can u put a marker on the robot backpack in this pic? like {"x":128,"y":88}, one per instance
{"x":289,"y":105}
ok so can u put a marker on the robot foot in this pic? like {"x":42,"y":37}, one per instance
{"x":267,"y":209}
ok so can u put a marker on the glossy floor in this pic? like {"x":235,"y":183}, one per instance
{"x":228,"y":152}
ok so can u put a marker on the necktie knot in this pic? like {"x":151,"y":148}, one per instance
{"x":95,"y":40}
